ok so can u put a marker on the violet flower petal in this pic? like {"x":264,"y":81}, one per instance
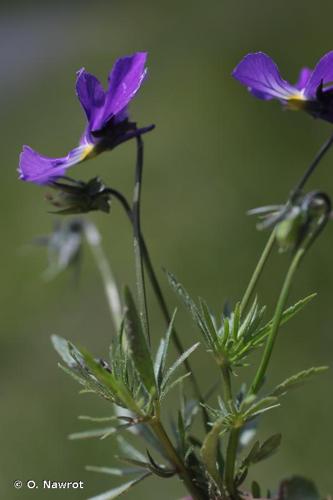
{"x":261,"y":75}
{"x":34,"y":167}
{"x":323,"y":72}
{"x":90,"y":93}
{"x":125,"y":80}
{"x":303,"y":78}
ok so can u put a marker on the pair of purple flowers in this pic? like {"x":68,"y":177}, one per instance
{"x":107,"y":111}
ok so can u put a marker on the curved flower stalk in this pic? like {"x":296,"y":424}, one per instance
{"x":313,"y":91}
{"x":108,"y":123}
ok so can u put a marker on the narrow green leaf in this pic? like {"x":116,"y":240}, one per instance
{"x":267,"y":448}
{"x":114,"y":471}
{"x":138,"y":344}
{"x":261,"y":406}
{"x":236,"y":321}
{"x":158,"y":360}
{"x":129,"y":450}
{"x":92,"y":433}
{"x":161,"y":356}
{"x":258,"y":453}
{"x":191,"y":307}
{"x":296,"y":380}
{"x":250,"y":458}
{"x":137,"y":463}
{"x":174,"y":384}
{"x":286,"y":316}
{"x":119,"y":490}
{"x":177,"y":364}
{"x":297,"y":307}
{"x":184,"y":295}
{"x":167,"y":342}
{"x":107,"y":378}
{"x":226,"y":332}
{"x":263,"y":410}
{"x":249,"y":318}
{"x":208,"y":321}
{"x":98,"y":419}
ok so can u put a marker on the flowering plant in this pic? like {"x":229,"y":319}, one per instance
{"x":213,"y":461}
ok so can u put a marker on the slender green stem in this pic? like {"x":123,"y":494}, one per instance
{"x":94,"y":240}
{"x":227,"y":383}
{"x":174,"y":458}
{"x":260,"y":374}
{"x":161,"y":301}
{"x":140,"y":277}
{"x":231,"y":462}
{"x":258,"y":271}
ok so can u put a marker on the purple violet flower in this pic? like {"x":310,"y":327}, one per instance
{"x":313,"y":92}
{"x":107,"y":116}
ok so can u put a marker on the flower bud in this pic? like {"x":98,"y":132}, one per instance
{"x":289,"y":230}
{"x":75,"y":197}
{"x":303,"y":220}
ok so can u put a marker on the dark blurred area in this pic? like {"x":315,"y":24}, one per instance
{"x":215,"y":153}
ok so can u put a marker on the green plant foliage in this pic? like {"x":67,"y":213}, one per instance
{"x":236,"y":336}
{"x":119,"y":490}
{"x":209,"y":450}
{"x":118,"y":384}
{"x":138,"y":345}
{"x":114,"y":471}
{"x":256,"y":454}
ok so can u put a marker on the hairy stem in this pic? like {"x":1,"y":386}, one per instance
{"x":227,"y":383}
{"x":140,"y":278}
{"x":260,"y":374}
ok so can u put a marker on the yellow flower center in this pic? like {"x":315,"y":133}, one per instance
{"x":88,"y":152}
{"x":296,"y":102}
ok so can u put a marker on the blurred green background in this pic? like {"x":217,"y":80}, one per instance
{"x":215,"y":153}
